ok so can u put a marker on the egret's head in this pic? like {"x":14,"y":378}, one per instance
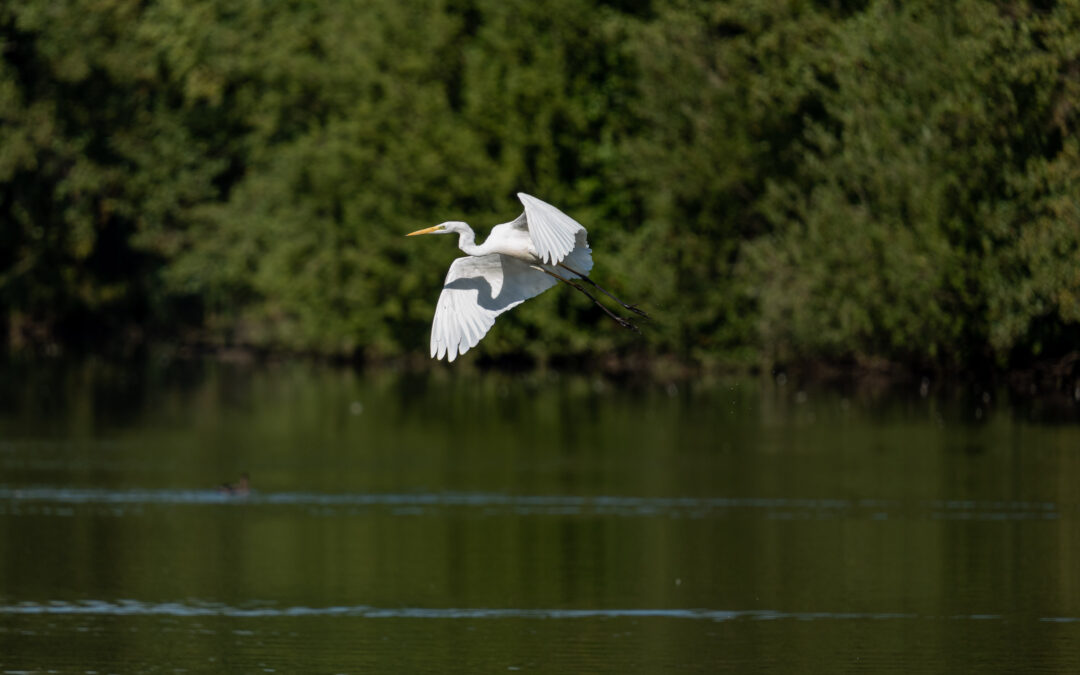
{"x":444,"y":228}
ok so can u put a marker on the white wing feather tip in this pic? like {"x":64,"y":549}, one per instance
{"x":553,"y":232}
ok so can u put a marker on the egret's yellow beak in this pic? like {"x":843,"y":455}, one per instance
{"x":426,"y":230}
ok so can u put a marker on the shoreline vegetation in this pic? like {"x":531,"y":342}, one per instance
{"x":1055,"y":380}
{"x":857,"y":188}
{"x":1047,"y":394}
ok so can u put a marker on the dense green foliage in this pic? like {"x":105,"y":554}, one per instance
{"x":777,"y":180}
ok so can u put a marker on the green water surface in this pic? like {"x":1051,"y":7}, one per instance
{"x":465,"y":522}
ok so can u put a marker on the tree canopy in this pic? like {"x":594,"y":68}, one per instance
{"x":775,"y":181}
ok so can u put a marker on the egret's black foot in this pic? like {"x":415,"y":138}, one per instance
{"x":627,"y":324}
{"x":634,"y":308}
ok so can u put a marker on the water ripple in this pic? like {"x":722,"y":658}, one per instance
{"x":405,"y":504}
{"x":210,"y":609}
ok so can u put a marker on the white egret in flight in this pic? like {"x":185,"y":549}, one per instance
{"x":518,"y":260}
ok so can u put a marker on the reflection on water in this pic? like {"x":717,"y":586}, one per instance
{"x":132,"y":607}
{"x":458,"y":522}
{"x":23,"y":500}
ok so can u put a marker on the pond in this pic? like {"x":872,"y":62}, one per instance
{"x":457,"y":521}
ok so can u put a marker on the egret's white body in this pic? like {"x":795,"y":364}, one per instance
{"x":518,"y":260}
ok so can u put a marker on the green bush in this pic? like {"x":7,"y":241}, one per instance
{"x":774,"y":181}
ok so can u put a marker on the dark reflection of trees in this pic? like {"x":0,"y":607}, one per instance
{"x":294,"y":427}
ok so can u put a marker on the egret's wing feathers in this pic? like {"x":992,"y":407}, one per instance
{"x":554,"y":234}
{"x":478,"y":289}
{"x":580,"y":259}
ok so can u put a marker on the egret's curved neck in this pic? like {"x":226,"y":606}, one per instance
{"x":467,"y":241}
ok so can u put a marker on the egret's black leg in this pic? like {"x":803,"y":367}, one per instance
{"x":632,"y":308}
{"x":618,"y":319}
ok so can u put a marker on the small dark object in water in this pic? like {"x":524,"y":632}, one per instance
{"x":240,"y":488}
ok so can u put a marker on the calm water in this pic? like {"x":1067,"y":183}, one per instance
{"x":458,"y":522}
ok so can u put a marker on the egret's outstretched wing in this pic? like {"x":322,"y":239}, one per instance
{"x":478,"y":289}
{"x":580,"y":259}
{"x":554,"y":234}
